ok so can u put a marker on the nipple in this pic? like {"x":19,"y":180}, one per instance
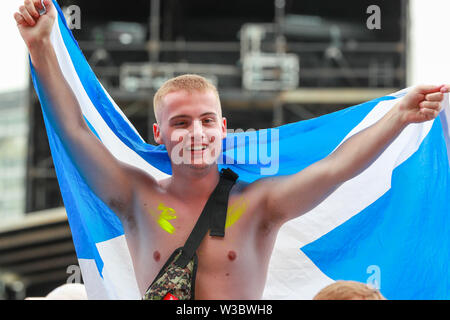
{"x":156,"y":255}
{"x":232,"y":255}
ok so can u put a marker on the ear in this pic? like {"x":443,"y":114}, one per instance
{"x":224,"y":128}
{"x":157,"y":134}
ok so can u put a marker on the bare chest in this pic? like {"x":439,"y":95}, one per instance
{"x":223,"y":261}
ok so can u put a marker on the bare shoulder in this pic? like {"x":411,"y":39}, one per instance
{"x":254,"y":192}
{"x":239,"y":187}
{"x":258,"y":188}
{"x":254,"y":197}
{"x":260,"y":193}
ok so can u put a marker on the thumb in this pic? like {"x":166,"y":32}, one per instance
{"x":445,"y":88}
{"x":50,"y":9}
{"x":48,"y":4}
{"x":426,"y":89}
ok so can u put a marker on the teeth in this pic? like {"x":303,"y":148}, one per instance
{"x":197,"y":148}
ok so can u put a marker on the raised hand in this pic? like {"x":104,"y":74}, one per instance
{"x":34,"y":28}
{"x":422,"y":103}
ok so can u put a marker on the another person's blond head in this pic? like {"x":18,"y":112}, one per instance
{"x":348,"y":290}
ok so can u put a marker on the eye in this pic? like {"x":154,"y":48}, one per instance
{"x":179,"y":123}
{"x":208,"y":120}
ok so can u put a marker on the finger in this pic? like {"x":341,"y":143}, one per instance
{"x":429,"y":113}
{"x":445,"y":88}
{"x":48,"y":4}
{"x":426,"y":89}
{"x":437,"y":96}
{"x":38,"y":5}
{"x":29,"y":5}
{"x":430,"y":105}
{"x":19,"y":19}
{"x":23,"y":11}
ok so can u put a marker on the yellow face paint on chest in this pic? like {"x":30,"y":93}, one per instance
{"x":163,"y":216}
{"x":235,"y":211}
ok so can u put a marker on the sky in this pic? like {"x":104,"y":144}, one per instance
{"x":13,"y":54}
{"x":428,"y":53}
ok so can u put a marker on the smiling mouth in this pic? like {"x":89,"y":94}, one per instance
{"x":197,"y":148}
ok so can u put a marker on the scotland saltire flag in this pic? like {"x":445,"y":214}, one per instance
{"x":389,"y":226}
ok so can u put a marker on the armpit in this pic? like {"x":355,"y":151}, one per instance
{"x":121,"y":209}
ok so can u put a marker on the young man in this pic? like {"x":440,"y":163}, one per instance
{"x":191,"y":126}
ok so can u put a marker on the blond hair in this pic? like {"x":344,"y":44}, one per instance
{"x":348,"y":290}
{"x":187,"y":82}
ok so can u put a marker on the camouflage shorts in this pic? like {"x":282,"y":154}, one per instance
{"x":174,"y":280}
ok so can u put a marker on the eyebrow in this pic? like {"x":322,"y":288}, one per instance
{"x":186,"y":116}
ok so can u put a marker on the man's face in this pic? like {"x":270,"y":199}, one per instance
{"x":191,"y":127}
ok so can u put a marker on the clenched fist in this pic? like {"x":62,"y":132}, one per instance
{"x":422,"y":103}
{"x":34,"y":28}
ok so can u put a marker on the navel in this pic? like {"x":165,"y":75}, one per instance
{"x":232,"y":255}
{"x":156,"y":255}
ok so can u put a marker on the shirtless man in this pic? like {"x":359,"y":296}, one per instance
{"x":233,"y":267}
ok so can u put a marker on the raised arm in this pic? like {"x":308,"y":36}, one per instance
{"x":290,"y":197}
{"x":111,"y":180}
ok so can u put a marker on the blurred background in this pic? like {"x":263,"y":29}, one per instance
{"x":273,"y":61}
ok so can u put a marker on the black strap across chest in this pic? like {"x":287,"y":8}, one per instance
{"x":213,"y":217}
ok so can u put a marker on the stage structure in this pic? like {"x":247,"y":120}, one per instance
{"x":273,"y":62}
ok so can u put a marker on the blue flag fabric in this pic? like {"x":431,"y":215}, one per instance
{"x":388,"y":226}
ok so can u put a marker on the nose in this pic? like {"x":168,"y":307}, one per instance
{"x":197,"y":134}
